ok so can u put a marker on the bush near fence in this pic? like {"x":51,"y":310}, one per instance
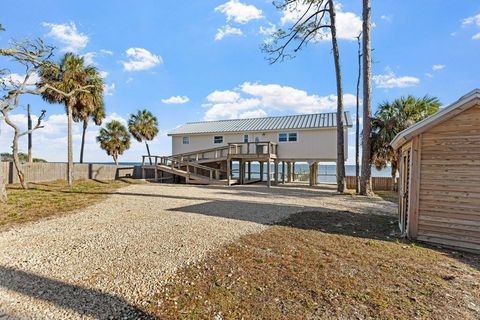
{"x":45,"y":172}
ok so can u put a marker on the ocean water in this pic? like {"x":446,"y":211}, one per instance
{"x":326,"y":172}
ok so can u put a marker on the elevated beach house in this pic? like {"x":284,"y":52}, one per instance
{"x":203,"y":152}
{"x":440,"y":176}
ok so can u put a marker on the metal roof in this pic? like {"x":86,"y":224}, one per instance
{"x":434,"y":119}
{"x":302,"y":121}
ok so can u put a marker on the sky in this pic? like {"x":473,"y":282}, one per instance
{"x":201,"y":60}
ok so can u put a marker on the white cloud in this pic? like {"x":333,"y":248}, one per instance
{"x":268,"y":31}
{"x":176,"y":100}
{"x":68,"y":35}
{"x":106,"y":52}
{"x":140,"y":59}
{"x":389,"y":80}
{"x":437,"y":67}
{"x":239,"y":12}
{"x":88,"y":57}
{"x":109,"y":89}
{"x":429,"y":75}
{"x":258,"y":113}
{"x":227,"y":31}
{"x":223,"y":96}
{"x":473,"y":20}
{"x":255,"y":100}
{"x":103,"y":74}
{"x":15,"y":79}
{"x":385,"y":17}
{"x":349,"y":24}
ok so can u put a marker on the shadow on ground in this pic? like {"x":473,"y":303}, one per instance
{"x":84,"y":301}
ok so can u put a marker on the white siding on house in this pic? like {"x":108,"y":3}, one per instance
{"x":311,"y":144}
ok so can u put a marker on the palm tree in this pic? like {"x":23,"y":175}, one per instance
{"x":114,"y":139}
{"x":391,"y":119}
{"x":72,"y":74}
{"x":144,"y":127}
{"x":84,"y":116}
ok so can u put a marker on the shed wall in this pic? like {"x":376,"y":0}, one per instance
{"x":449,"y":204}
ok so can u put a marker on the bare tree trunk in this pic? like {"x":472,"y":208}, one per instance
{"x":16,"y":159}
{"x":3,"y":189}
{"x":69,"y":147}
{"x":340,"y":112}
{"x":366,"y":184}
{"x":30,"y":156}
{"x":148,"y":151}
{"x":357,"y":120}
{"x":115,"y":158}
{"x":82,"y":147}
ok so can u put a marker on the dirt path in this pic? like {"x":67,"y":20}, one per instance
{"x":106,"y":260}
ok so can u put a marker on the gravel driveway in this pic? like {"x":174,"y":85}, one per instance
{"x":106,"y":260}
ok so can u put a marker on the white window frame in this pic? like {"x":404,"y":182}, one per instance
{"x":287,"y":134}
{"x":186,"y":140}
{"x":215,"y":138}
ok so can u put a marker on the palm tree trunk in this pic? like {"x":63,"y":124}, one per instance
{"x":82,"y":147}
{"x":69,"y":147}
{"x":366,"y":184}
{"x":340,"y":112}
{"x":357,"y":121}
{"x":30,"y":133}
{"x":394,"y":175}
{"x":148,"y":151}
{"x":16,"y":159}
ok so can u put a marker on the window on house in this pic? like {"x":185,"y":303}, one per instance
{"x":218,"y":139}
{"x":287,"y":137}
{"x":186,"y":140}
{"x":245,"y":138}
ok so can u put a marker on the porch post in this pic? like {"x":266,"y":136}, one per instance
{"x":276,"y":171}
{"x":269,"y":183}
{"x":229,"y":172}
{"x":289,"y":171}
{"x":283,"y":172}
{"x":249,"y":170}
{"x":293,"y":171}
{"x":261,"y":170}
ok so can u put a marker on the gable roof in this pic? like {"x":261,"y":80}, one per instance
{"x":446,"y":113}
{"x":302,"y":121}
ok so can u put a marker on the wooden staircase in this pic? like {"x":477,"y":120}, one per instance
{"x":194,"y":168}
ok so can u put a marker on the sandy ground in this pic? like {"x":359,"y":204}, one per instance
{"x":106,"y":260}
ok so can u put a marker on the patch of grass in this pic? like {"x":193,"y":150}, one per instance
{"x":48,"y":199}
{"x":391,"y":196}
{"x":301,"y":270}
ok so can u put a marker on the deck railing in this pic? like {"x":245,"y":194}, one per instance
{"x":179,"y":163}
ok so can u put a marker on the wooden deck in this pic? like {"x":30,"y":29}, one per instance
{"x":214,"y":166}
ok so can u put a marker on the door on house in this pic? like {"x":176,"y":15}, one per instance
{"x":404,"y":189}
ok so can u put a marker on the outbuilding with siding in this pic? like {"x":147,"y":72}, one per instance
{"x":440,"y":176}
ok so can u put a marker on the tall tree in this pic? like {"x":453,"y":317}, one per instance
{"x":72,"y":74}
{"x":84,"y":115}
{"x":365,"y":181}
{"x":33,"y":56}
{"x":114,"y":139}
{"x":317,"y":20}
{"x":392,"y":118}
{"x":144,"y":127}
{"x":357,"y":118}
